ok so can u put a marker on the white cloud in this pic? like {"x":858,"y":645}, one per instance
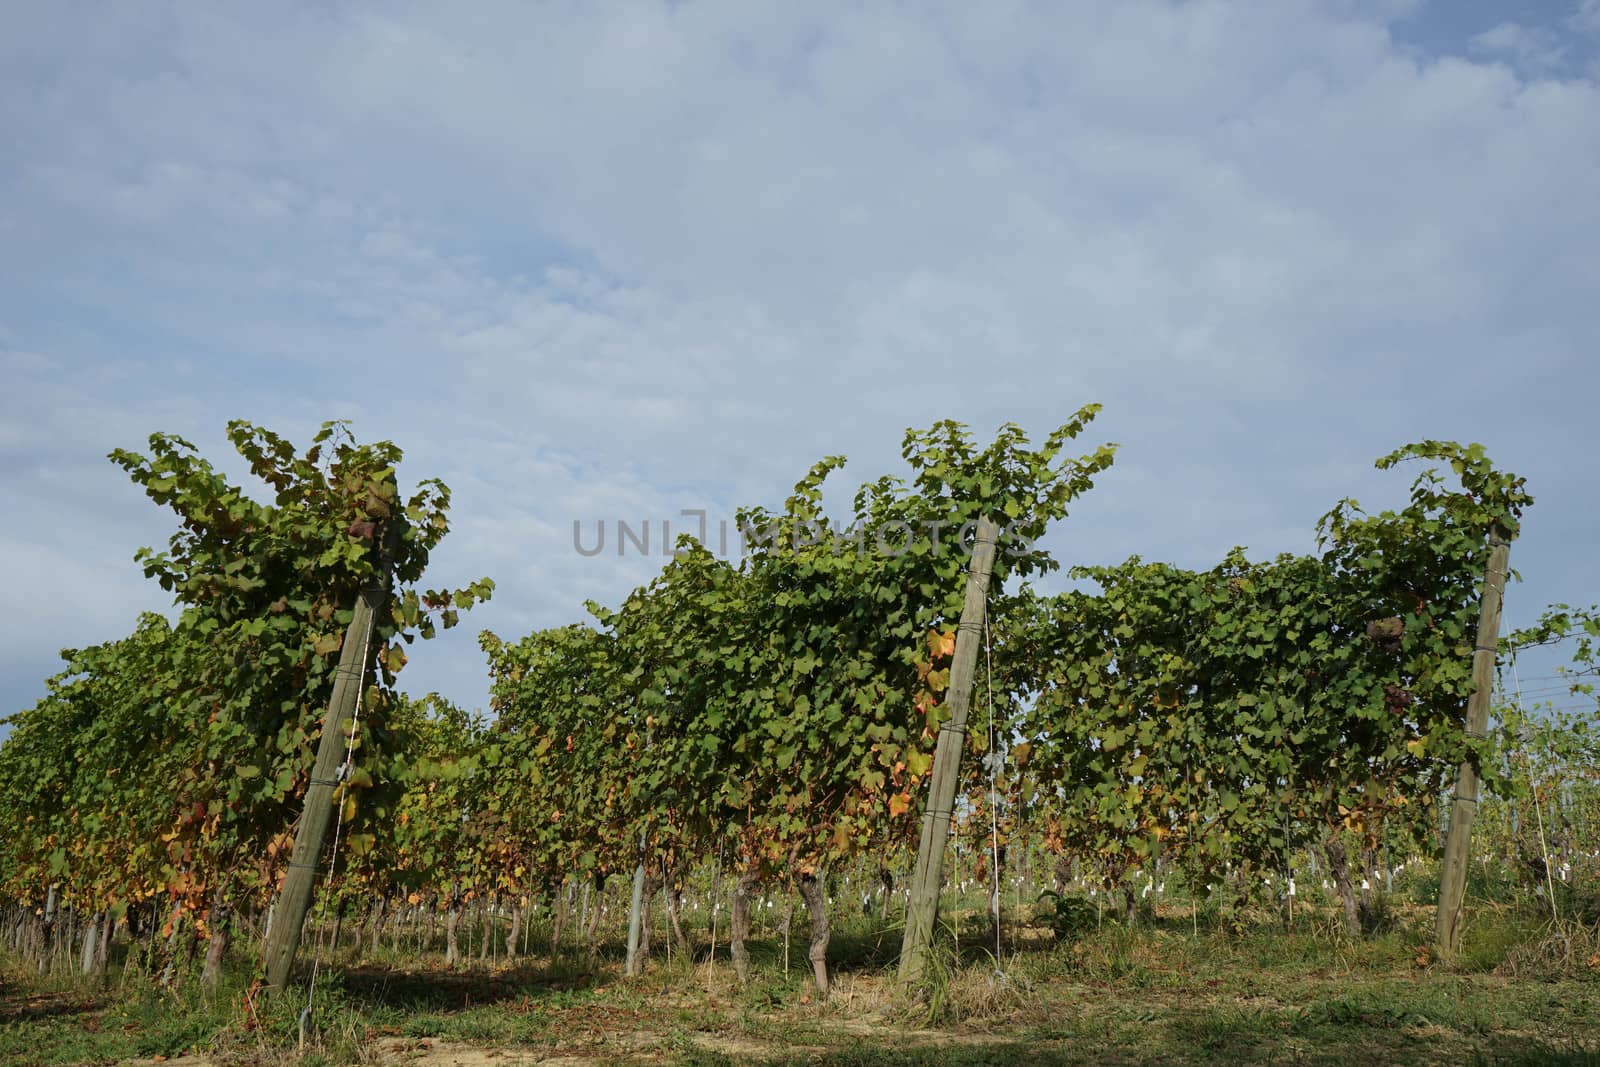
{"x":1534,"y":47}
{"x":592,"y":261}
{"x":1586,"y":19}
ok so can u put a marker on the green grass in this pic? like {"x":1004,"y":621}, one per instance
{"x":1238,"y":992}
{"x":52,"y":1022}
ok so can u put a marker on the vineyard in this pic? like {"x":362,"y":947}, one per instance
{"x":858,"y":791}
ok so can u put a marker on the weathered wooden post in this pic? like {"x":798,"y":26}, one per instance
{"x":294,"y":901}
{"x":635,"y":965}
{"x":1464,"y":805}
{"x":922,"y":908}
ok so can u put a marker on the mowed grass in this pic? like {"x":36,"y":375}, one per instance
{"x":1158,"y":992}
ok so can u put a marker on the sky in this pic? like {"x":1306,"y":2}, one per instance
{"x":615,"y":261}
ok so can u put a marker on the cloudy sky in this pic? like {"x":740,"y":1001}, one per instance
{"x":602,"y":260}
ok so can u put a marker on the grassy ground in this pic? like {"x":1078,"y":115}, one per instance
{"x":1157,"y":993}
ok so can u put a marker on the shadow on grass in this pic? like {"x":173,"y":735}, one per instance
{"x":1534,"y":1053}
{"x":864,"y":1054}
{"x":406,"y":989}
{"x":18,"y":1008}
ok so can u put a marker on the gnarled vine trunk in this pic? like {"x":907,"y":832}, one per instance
{"x":219,"y":935}
{"x":817,"y":905}
{"x":102,"y":947}
{"x":674,"y":899}
{"x":170,"y":947}
{"x":591,"y":925}
{"x":559,"y":917}
{"x":652,"y":883}
{"x":739,"y":927}
{"x":376,"y":924}
{"x":1339,"y":867}
{"x":452,"y":920}
{"x":515,"y":933}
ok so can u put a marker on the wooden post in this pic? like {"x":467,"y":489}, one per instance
{"x":922,"y":908}
{"x":1464,"y":805}
{"x":294,"y":901}
{"x":635,"y":965}
{"x":90,"y":937}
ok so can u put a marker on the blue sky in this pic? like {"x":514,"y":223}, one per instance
{"x":590,"y":261}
